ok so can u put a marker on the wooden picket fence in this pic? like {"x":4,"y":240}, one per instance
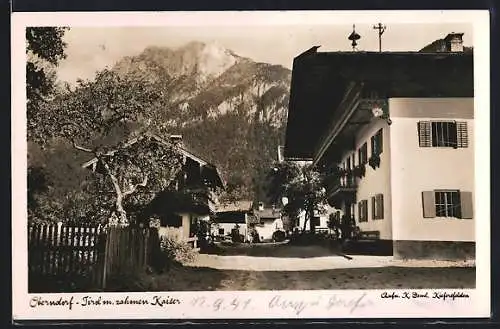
{"x":86,"y":256}
{"x":128,"y":250}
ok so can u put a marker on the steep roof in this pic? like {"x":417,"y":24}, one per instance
{"x":235,"y":206}
{"x":268,"y":213}
{"x":320,"y":81}
{"x":212,"y":170}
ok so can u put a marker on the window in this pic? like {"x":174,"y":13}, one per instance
{"x":221,"y":231}
{"x":443,"y":134}
{"x":378,"y":206}
{"x":377,"y":143}
{"x":363,"y":211}
{"x":447,"y":203}
{"x":363,"y":154}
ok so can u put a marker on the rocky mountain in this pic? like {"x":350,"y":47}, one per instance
{"x":230,"y":109}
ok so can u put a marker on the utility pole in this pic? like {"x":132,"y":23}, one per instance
{"x":381,"y":29}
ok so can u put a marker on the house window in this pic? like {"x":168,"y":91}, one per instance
{"x":378,"y":206}
{"x":443,"y":134}
{"x":363,"y":210}
{"x":221,"y":231}
{"x":363,"y":154}
{"x":377,"y":143}
{"x":447,"y":203}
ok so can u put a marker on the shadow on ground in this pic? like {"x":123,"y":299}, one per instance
{"x":284,"y":250}
{"x":207,"y":279}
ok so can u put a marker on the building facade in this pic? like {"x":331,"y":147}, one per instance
{"x":399,"y":143}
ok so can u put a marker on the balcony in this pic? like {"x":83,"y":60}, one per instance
{"x":202,"y":198}
{"x":341,"y":189}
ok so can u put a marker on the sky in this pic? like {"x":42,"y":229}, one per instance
{"x":90,"y":49}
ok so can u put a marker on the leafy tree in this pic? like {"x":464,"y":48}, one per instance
{"x":137,"y":170}
{"x":303,"y":187}
{"x":108,"y":119}
{"x":44,"y":49}
{"x":59,"y":189}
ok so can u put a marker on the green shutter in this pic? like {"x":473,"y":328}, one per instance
{"x":466,"y":205}
{"x":429,"y":204}
{"x":424,"y":134}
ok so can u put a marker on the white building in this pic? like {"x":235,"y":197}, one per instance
{"x":230,"y":216}
{"x":401,"y":128}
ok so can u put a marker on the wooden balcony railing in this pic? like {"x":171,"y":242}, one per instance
{"x":337,"y":184}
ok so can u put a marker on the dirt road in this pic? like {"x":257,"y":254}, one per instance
{"x":306,"y":268}
{"x":208,"y":279}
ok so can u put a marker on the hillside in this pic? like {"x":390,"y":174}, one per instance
{"x":229,"y":109}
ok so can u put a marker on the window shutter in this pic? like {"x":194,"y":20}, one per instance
{"x":466,"y":203}
{"x":462,"y":134}
{"x":380,"y":141}
{"x":360,"y":211}
{"x":429,"y":204}
{"x":374,"y":212}
{"x":372,"y":145}
{"x":380,"y":206}
{"x":365,"y":210}
{"x":424,"y":134}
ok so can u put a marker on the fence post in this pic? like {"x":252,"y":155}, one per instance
{"x":105,"y":258}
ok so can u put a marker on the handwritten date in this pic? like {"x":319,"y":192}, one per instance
{"x":222,"y":304}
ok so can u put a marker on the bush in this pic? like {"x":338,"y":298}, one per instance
{"x":279,"y":236}
{"x":254,"y":234}
{"x":176,"y":250}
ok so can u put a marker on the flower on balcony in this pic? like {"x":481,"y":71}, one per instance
{"x":359,"y":171}
{"x":374,"y":161}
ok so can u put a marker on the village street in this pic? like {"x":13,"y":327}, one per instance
{"x":285,"y":267}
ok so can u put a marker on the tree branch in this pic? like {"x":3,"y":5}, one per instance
{"x":81,"y":148}
{"x":133,"y":188}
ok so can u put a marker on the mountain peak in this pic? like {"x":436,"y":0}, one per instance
{"x":206,"y":60}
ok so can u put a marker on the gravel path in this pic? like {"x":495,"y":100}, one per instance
{"x":209,"y":279}
{"x":288,"y":267}
{"x":249,"y":263}
{"x":302,"y":258}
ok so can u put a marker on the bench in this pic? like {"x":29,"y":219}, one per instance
{"x":369,"y":235}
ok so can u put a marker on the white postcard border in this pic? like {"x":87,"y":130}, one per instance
{"x":312,"y":304}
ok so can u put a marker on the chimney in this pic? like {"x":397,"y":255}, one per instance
{"x":454,"y":42}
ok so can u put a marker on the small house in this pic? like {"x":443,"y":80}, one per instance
{"x":229,"y":216}
{"x":183,"y":210}
{"x":268,"y":221}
